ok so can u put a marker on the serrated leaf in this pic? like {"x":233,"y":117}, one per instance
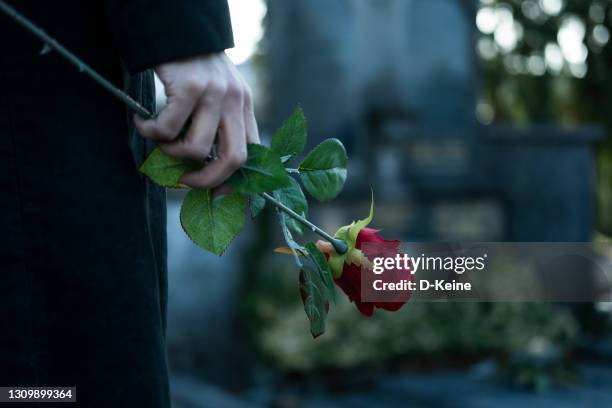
{"x":294,"y":198}
{"x":212,"y":224}
{"x":263,"y":172}
{"x":323,"y":171}
{"x":167,"y":170}
{"x":319,"y":259}
{"x":290,"y":139}
{"x":313,"y":292}
{"x":256,"y":204}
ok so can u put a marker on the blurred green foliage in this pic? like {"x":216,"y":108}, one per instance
{"x":419,"y":332}
{"x":550,"y":61}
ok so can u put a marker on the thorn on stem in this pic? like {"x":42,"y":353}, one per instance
{"x":46,"y":49}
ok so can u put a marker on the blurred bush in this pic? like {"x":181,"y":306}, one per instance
{"x":419,"y":332}
{"x":550,"y":61}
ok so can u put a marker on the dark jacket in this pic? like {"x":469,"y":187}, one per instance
{"x":82,"y":244}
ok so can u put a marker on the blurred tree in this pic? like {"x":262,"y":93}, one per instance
{"x":550,"y":60}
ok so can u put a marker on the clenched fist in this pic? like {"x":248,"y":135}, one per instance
{"x":210,"y":92}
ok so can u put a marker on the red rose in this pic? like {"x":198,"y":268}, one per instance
{"x":350,"y":279}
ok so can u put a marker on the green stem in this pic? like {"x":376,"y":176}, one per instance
{"x":82,"y":67}
{"x":339,"y":245}
{"x":288,"y":238}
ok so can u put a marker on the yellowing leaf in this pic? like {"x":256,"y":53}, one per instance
{"x":285,"y":251}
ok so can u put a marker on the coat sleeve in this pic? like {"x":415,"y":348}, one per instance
{"x":151,"y":32}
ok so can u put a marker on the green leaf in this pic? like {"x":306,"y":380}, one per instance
{"x":212,"y":224}
{"x":323,"y":171}
{"x":313,"y":291}
{"x":319,"y":259}
{"x":294,"y":198}
{"x":290,"y":139}
{"x":256,"y":203}
{"x":167,"y":170}
{"x":263,"y":172}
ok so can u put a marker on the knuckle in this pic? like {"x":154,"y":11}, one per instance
{"x":215,"y":92}
{"x":194,"y":86}
{"x":217,"y":88}
{"x":234,"y":91}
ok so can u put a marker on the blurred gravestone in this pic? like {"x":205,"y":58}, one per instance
{"x":393,"y":54}
{"x":309,"y":44}
{"x":397,"y":80}
{"x":416,"y":56}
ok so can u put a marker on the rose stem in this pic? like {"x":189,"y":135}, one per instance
{"x":339,"y":245}
{"x":83,"y":67}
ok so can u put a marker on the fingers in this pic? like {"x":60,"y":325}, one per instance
{"x":232,"y":150}
{"x":250,"y":123}
{"x":197,"y":144}
{"x":209,"y":93}
{"x":170,"y":121}
{"x":223,"y":189}
{"x":238,"y":128}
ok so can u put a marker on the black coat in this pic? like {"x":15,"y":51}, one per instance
{"x":82,"y":244}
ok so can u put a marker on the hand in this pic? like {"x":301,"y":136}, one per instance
{"x":210,"y":91}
